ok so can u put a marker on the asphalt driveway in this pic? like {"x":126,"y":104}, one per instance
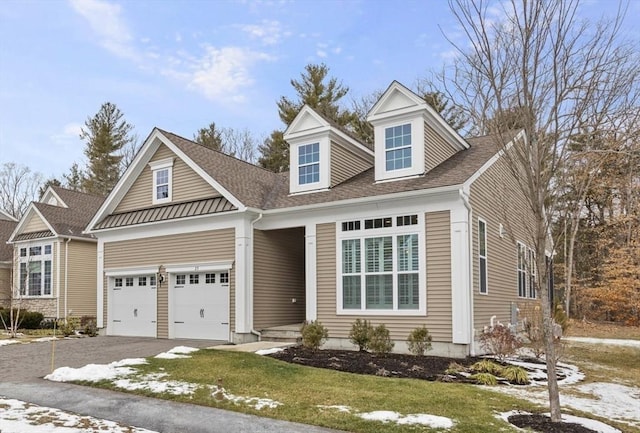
{"x":22,"y":367}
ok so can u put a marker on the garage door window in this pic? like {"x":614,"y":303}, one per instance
{"x":210,"y":278}
{"x":129,"y":282}
{"x":181,"y":279}
{"x":224,"y":278}
{"x":142,"y":281}
{"x":118,"y":282}
{"x":194,"y":278}
{"x":152,"y":280}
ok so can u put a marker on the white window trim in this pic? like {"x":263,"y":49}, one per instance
{"x":309,"y":164}
{"x":486,"y":258}
{"x":533,"y":275}
{"x":417,"y":148}
{"x":393,"y":232}
{"x":521,"y":246}
{"x":163,"y":164}
{"x":42,"y":257}
{"x":324,"y":148}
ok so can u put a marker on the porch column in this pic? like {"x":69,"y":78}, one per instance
{"x":100,"y":286}
{"x":311,"y":294}
{"x":243,"y":265}
{"x":460,"y":276}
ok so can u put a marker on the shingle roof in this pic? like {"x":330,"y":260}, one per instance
{"x":72,"y":220}
{"x":262,"y":189}
{"x":6,"y":228}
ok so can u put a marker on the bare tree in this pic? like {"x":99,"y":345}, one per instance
{"x":240,"y":143}
{"x":19,"y":186}
{"x":559,"y":76}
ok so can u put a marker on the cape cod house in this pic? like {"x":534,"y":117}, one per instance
{"x":418,"y":230}
{"x":54,"y":262}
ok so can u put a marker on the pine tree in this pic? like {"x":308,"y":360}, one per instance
{"x":275,"y":153}
{"x":210,"y":137}
{"x":106,"y":134}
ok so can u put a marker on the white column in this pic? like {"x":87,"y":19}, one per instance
{"x":100,"y":286}
{"x":460,"y":276}
{"x":311,"y":293}
{"x":243,"y":264}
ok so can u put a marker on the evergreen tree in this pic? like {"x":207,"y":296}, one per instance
{"x":106,"y":134}
{"x":75,"y":178}
{"x":210,"y":137}
{"x":318,"y":91}
{"x":50,"y":182}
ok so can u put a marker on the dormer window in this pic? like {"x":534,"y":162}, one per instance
{"x":309,"y":163}
{"x":162,"y":180}
{"x":397,"y":143}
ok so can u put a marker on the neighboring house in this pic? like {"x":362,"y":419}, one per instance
{"x":54,"y":261}
{"x":420,"y":230}
{"x":7,"y":226}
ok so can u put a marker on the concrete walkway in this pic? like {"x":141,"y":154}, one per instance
{"x":23,"y":365}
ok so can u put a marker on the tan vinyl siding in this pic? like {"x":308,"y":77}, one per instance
{"x":81,"y":282}
{"x":200,"y":247}
{"x":59,"y":255}
{"x":438,"y":318}
{"x":5,"y":286}
{"x":186,"y":184}
{"x":162,"y":307}
{"x":278,"y":277}
{"x":35,"y":224}
{"x":436,"y":148}
{"x":496,"y":198}
{"x":345,"y":164}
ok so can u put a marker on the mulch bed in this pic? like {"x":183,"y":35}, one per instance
{"x":414,"y":367}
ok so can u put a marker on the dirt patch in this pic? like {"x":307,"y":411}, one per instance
{"x":543,"y":424}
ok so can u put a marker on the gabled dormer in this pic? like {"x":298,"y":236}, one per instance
{"x":410,"y":138}
{"x":321,"y":155}
{"x":51,"y":197}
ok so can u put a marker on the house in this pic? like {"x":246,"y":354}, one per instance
{"x":421,"y":229}
{"x":54,"y":262}
{"x":7,"y":225}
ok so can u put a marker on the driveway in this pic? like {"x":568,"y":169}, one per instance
{"x":22,"y":367}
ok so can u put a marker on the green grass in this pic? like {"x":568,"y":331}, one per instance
{"x":302,"y":389}
{"x":604,"y":363}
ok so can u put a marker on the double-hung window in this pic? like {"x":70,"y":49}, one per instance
{"x":35,"y":270}
{"x":309,"y":163}
{"x":522,"y":270}
{"x":162,"y":180}
{"x":381,"y":266}
{"x":532,"y":274}
{"x":482,"y":256}
{"x":397,"y":145}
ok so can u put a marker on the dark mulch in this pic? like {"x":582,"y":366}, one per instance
{"x":414,"y":367}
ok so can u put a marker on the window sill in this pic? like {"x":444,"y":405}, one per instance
{"x":381,"y":312}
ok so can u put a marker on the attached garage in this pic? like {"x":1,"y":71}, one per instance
{"x":133,"y":305}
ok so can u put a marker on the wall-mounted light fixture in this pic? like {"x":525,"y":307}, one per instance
{"x":161,"y":278}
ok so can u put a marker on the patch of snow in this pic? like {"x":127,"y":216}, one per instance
{"x":537,"y":372}
{"x":95,"y":372}
{"x":171,"y":386}
{"x":44,"y":339}
{"x":178,"y":352}
{"x":592,"y":424}
{"x":609,"y":341}
{"x":20,"y":417}
{"x":8,"y":342}
{"x":432,"y":421}
{"x":339,"y":408}
{"x":256,"y":402}
{"x":269,"y":351}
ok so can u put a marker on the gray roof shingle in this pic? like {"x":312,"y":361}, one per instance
{"x":6,"y":228}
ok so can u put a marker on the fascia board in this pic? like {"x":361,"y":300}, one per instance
{"x":10,"y":217}
{"x":304,"y":111}
{"x":394,"y":86}
{"x":50,"y":192}
{"x":307,"y":134}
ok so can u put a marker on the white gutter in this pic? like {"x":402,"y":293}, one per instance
{"x":253,"y":331}
{"x":66,"y":275}
{"x":467,"y":204}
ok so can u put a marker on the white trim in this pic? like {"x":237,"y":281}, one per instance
{"x":461,"y":292}
{"x":154,"y":190}
{"x":243,"y":261}
{"x":7,"y":216}
{"x":311,"y":289}
{"x":417,"y":166}
{"x":217,"y":266}
{"x":48,"y":194}
{"x":161,"y":163}
{"x":100,"y":284}
{"x":131,"y":271}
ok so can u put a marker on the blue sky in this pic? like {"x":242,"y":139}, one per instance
{"x":180,"y":65}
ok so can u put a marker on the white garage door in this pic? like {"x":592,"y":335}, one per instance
{"x":200,"y":305}
{"x":133,"y":306}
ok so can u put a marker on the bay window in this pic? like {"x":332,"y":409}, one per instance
{"x":35,"y":271}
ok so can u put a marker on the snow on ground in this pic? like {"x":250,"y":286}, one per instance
{"x":586,"y":422}
{"x":8,"y":342}
{"x":610,"y":341}
{"x":255,"y":402}
{"x":95,"y":372}
{"x":20,"y":417}
{"x":177,"y":352}
{"x":269,"y":351}
{"x":413,"y":418}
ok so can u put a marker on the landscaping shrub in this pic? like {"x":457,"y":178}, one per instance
{"x":419,"y":341}
{"x":90,"y":328}
{"x":313,"y":334}
{"x":500,"y":341}
{"x":360,"y":334}
{"x":484,"y":379}
{"x":28,"y":319}
{"x":380,"y":342}
{"x":487,"y":366}
{"x":455,"y":368}
{"x":68,"y":326}
{"x":515,"y":374}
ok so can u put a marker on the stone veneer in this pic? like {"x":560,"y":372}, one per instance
{"x":46,"y":306}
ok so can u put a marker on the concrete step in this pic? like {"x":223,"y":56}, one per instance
{"x":281,"y":335}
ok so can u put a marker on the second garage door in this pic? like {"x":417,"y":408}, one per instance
{"x":200,"y":305}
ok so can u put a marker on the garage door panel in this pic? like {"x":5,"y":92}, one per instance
{"x":133,"y":307}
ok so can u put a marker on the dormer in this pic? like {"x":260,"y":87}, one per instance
{"x":52,"y":198}
{"x":410,"y":138}
{"x":320,"y":154}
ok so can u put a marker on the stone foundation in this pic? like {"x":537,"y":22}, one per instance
{"x":46,"y":306}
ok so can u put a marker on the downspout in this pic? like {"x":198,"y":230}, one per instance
{"x":58,"y":251}
{"x":66,"y":275}
{"x":253,"y":331}
{"x":467,"y":204}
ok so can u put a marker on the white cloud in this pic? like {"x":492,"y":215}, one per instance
{"x":70,"y":132}
{"x":269,"y":32}
{"x":108,"y":24}
{"x":220,"y":74}
{"x":321,"y":53}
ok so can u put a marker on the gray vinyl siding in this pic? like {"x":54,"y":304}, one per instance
{"x":186,"y":184}
{"x":436,"y":148}
{"x":497,"y":199}
{"x":200,"y":247}
{"x":278,"y":277}
{"x":345,"y":164}
{"x":438,"y":268}
{"x":35,"y":224}
{"x":82,"y":262}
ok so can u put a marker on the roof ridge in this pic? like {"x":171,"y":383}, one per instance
{"x":75,"y":191}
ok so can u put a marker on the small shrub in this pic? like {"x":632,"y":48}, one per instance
{"x":500,"y":341}
{"x":85,"y":320}
{"x":487,"y":366}
{"x":515,"y":374}
{"x":90,"y":329}
{"x":380,"y":342}
{"x":313,"y":334}
{"x":48,"y":323}
{"x":360,"y":334}
{"x":27,"y":319}
{"x":455,"y":368}
{"x":68,"y":326}
{"x":419,"y":341}
{"x":484,"y":379}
